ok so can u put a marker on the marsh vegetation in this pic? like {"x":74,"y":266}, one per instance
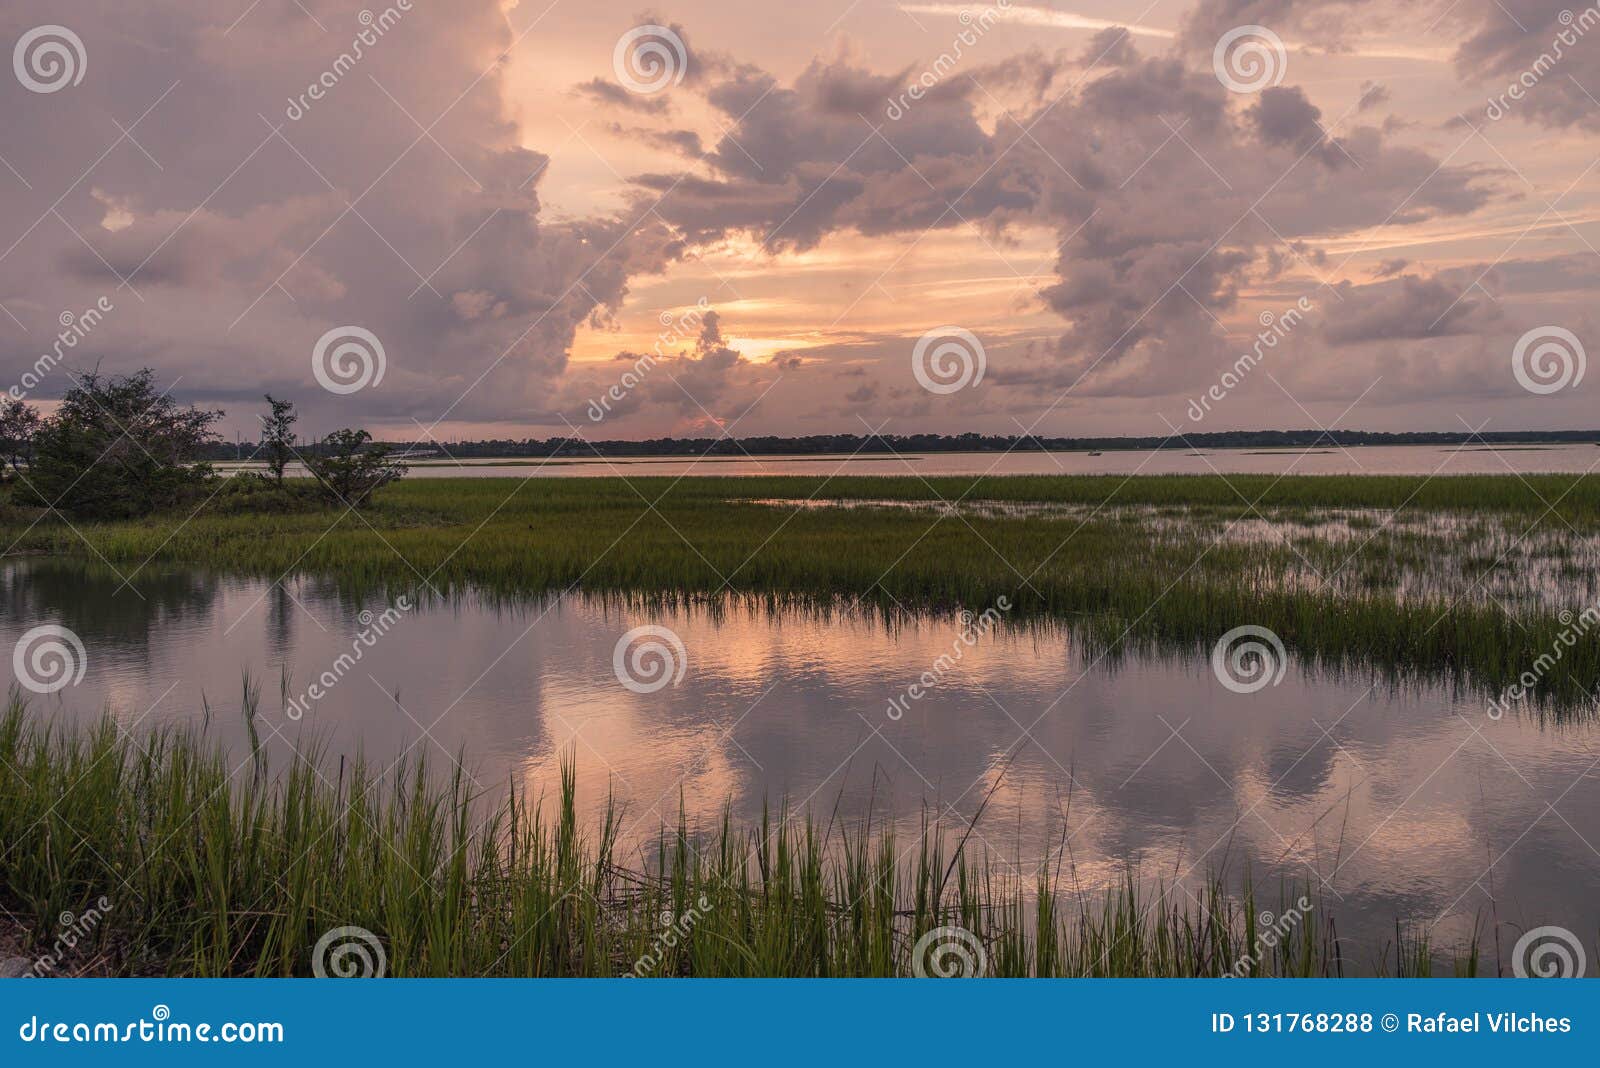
{"x":1472,"y":578}
{"x":214,"y":865}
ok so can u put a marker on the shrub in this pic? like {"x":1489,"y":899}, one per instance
{"x":350,"y":468}
{"x":19,"y":422}
{"x":117,"y":447}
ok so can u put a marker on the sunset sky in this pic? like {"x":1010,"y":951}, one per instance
{"x":1105,"y":202}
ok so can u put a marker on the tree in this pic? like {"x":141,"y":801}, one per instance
{"x":19,"y":422}
{"x":118,"y":447}
{"x":277,"y":436}
{"x":350,"y":469}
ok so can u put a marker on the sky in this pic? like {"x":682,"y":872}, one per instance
{"x":493,"y":219}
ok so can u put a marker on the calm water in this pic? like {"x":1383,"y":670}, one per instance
{"x":1371,"y":460}
{"x":1409,"y":804}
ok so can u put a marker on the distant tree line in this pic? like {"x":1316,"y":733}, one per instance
{"x":907,"y":444}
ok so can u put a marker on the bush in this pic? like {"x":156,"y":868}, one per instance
{"x":116,"y":448}
{"x":254,"y":493}
{"x":19,"y":422}
{"x":350,"y":469}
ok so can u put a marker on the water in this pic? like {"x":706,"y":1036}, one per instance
{"x":1369,"y":460}
{"x":1403,"y":804}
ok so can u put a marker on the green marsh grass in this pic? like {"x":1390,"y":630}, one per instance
{"x":1150,"y":560}
{"x":225,"y":867}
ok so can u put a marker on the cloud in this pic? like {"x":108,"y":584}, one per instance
{"x":1408,"y":307}
{"x":1166,"y":197}
{"x":406,"y":198}
{"x":1544,"y":51}
{"x":611,"y":94}
{"x":1535,"y":60}
{"x":250,"y":216}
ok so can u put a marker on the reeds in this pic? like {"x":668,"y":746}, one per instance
{"x":213,"y":865}
{"x":1143,"y":560}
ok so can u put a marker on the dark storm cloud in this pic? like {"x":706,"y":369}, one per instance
{"x":285,"y":176}
{"x":401,"y":199}
{"x":1407,"y":308}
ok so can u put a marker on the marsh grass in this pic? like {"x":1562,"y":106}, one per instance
{"x":226,"y":867}
{"x":1148,"y":560}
